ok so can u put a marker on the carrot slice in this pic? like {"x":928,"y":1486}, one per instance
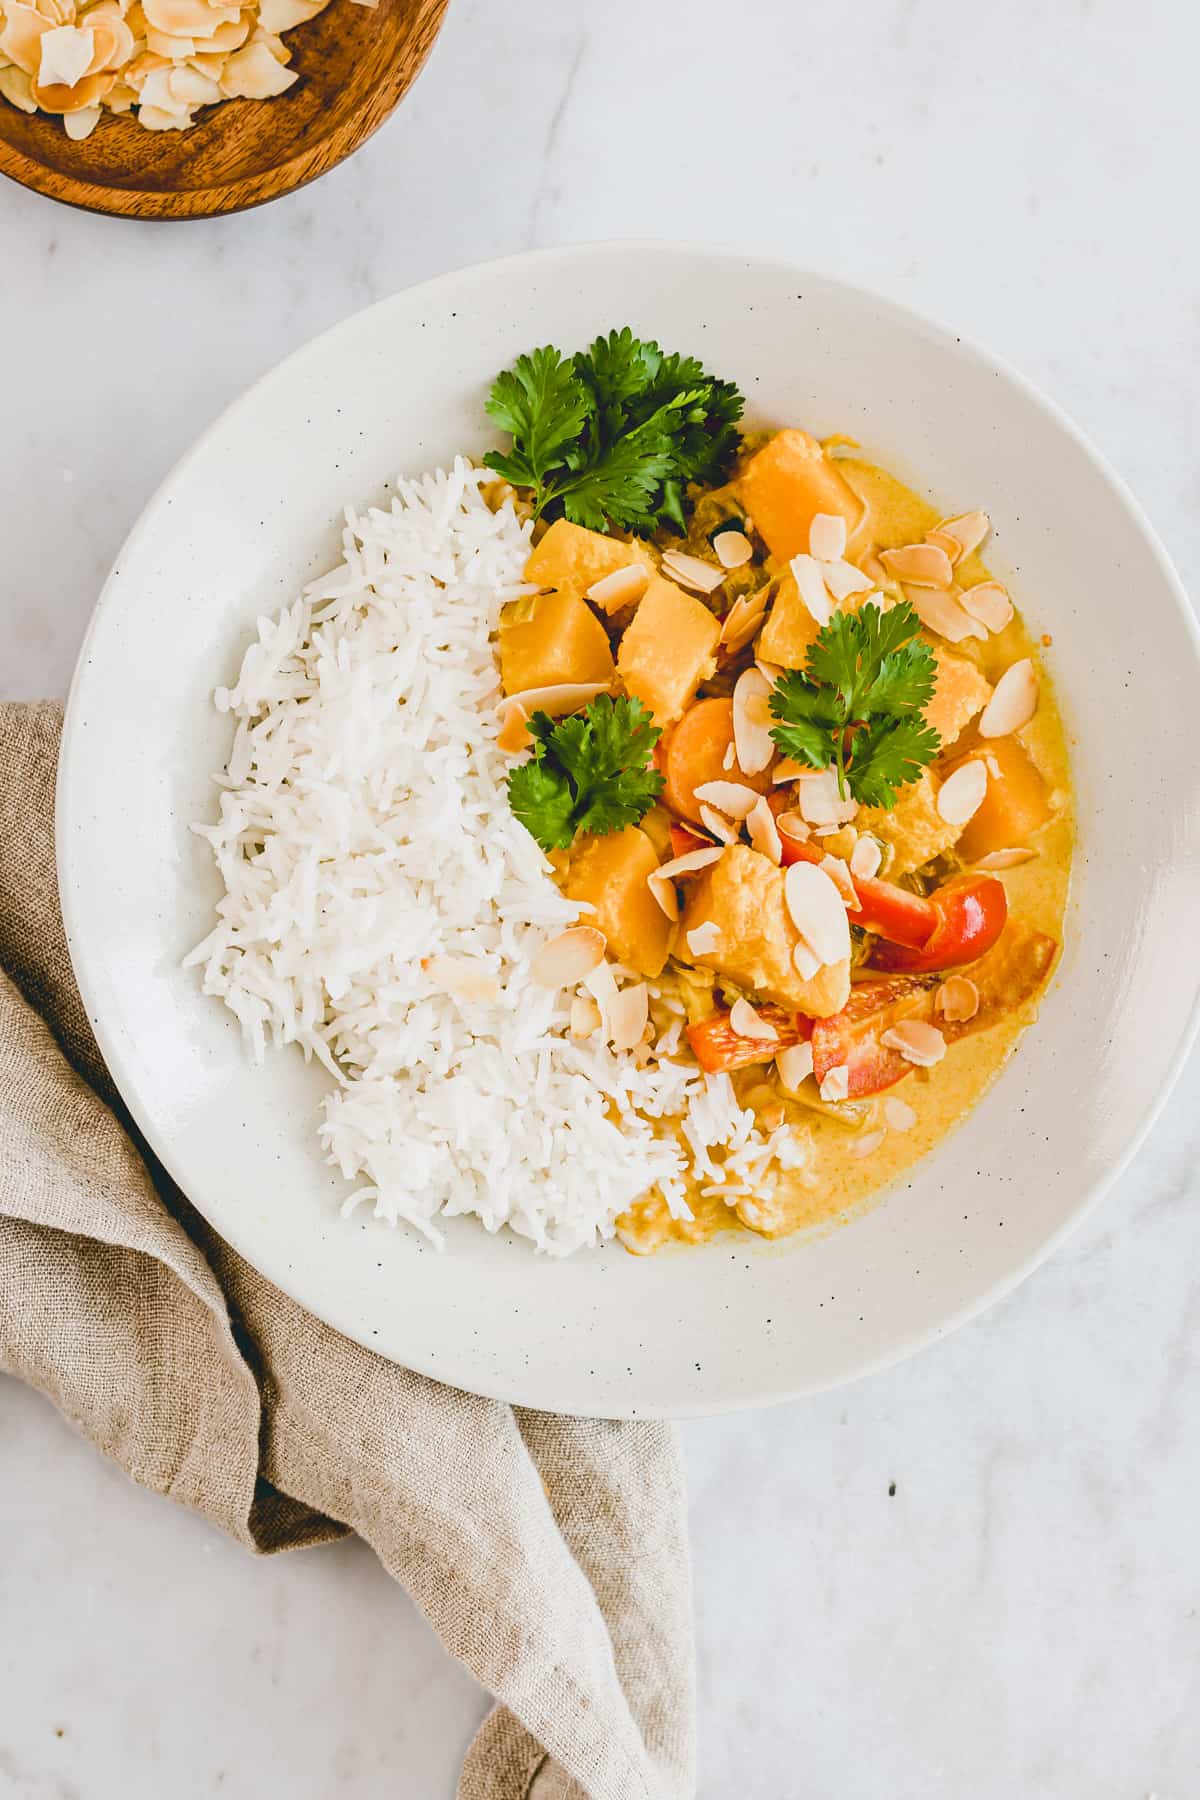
{"x":695,"y":753}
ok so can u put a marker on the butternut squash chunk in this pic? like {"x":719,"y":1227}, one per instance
{"x":552,"y":638}
{"x":789,"y":629}
{"x":570,"y":558}
{"x":1015,"y":805}
{"x":914,"y":827}
{"x":785,"y":485}
{"x":960,"y":692}
{"x":610,"y":873}
{"x":743,"y":896}
{"x":667,"y":649}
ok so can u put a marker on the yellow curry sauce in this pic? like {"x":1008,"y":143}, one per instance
{"x":837,"y":1177}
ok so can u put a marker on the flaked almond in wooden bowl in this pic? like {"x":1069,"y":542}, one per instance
{"x":178,"y":109}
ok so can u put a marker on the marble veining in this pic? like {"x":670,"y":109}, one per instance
{"x":976,"y":1573}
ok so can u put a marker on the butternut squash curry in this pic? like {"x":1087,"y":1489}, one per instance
{"x":789,"y":745}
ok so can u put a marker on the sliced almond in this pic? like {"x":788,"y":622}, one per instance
{"x":873,"y":569}
{"x":81,"y":124}
{"x":17,"y":89}
{"x":839,"y":873}
{"x":793,"y":826}
{"x":717,"y":825}
{"x":171,"y":49}
{"x":153,"y":118}
{"x":230,"y":35}
{"x":195,"y":89}
{"x":601,"y":984}
{"x":944,"y":614}
{"x":919,"y":565}
{"x":254,"y":74}
{"x":899,"y":1114}
{"x":1005,"y":859}
{"x":866,"y":1143}
{"x":769,"y":671}
{"x":805,"y":961}
{"x":763,"y":831}
{"x":559,"y":700}
{"x":729,"y":760}
{"x":629,"y":1015}
{"x":624,"y":587}
{"x":564,"y":960}
{"x":786,"y":769}
{"x":866,"y":857}
{"x":113,"y":38}
{"x":461,"y":978}
{"x":65,"y":56}
{"x":962,"y":793}
{"x":513,"y":735}
{"x":1013,"y":703}
{"x":989,"y":602}
{"x":689,"y":863}
{"x":968,"y":531}
{"x":732,"y":548}
{"x":743,"y":620}
{"x":827,"y":537}
{"x":585,"y":1016}
{"x":818,"y":912}
{"x":89,"y":91}
{"x":703,"y":939}
{"x":810,"y":581}
{"x":749,"y":1024}
{"x":752,"y":723}
{"x":187,"y":18}
{"x":945,"y":542}
{"x":690,"y":572}
{"x":733,"y":798}
{"x":795,"y":1065}
{"x":22,"y":34}
{"x":843,"y":579}
{"x":281,"y":15}
{"x":918,"y":1043}
{"x":836,"y":1085}
{"x":957,"y":1000}
{"x":819,"y":800}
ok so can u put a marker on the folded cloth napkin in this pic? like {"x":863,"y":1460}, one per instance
{"x":550,"y":1554}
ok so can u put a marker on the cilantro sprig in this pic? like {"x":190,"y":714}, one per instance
{"x":858,"y":705}
{"x":590,"y":772}
{"x":611,"y":437}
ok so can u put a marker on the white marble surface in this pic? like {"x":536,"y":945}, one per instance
{"x":1023,"y":1616}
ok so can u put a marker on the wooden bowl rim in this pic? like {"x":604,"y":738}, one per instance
{"x":173,"y":205}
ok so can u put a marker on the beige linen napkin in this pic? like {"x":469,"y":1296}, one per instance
{"x":549,"y":1554}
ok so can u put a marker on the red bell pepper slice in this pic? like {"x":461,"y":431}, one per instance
{"x":889,"y":911}
{"x":850,"y":1039}
{"x":971,"y":914}
{"x":684,"y":840}
{"x":717,"y":1047}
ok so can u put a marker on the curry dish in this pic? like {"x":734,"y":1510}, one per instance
{"x":851,"y":875}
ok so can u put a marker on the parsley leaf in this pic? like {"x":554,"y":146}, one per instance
{"x":611,"y":437}
{"x":590,"y":772}
{"x":858,"y":705}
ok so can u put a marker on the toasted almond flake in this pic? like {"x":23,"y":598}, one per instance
{"x":793,"y":826}
{"x":898,"y":1113}
{"x":17,"y":88}
{"x":795,"y":1065}
{"x":805,"y":961}
{"x":839,"y":873}
{"x":22,"y":34}
{"x":787,"y":769}
{"x":843,"y":579}
{"x":866,"y":1143}
{"x":88,"y":91}
{"x":1013,"y":703}
{"x":81,"y":124}
{"x":944,"y":541}
{"x":568,"y":958}
{"x":664,"y":893}
{"x":193,"y":88}
{"x":873,"y":569}
{"x":585,"y":1016}
{"x":628,"y":1016}
{"x":836,"y":1085}
{"x":690,"y":572}
{"x":810,"y":581}
{"x":601,"y":984}
{"x":749,"y":1024}
{"x":819,"y":801}
{"x":989,"y":602}
{"x":717,"y":825}
{"x":229,"y":36}
{"x":186,"y":18}
{"x":943,"y":613}
{"x":763,"y":831}
{"x":733,"y":798}
{"x":152,"y":118}
{"x":732,"y":548}
{"x":743,"y":620}
{"x":1005,"y":859}
{"x":967,"y":531}
{"x":255,"y":74}
{"x":957,"y":1000}
{"x":703,"y":939}
{"x":690,"y":862}
{"x":918,"y":1043}
{"x":461,"y":978}
{"x":919,"y":565}
{"x":769,"y":671}
{"x":752,"y":723}
{"x":866,"y":857}
{"x":827,"y":537}
{"x":65,"y":56}
{"x":962,"y":793}
{"x":513,"y":735}
{"x":818,"y":912}
{"x":624,"y":587}
{"x":730,"y":757}
{"x":281,"y":15}
{"x":559,"y":700}
{"x":171,"y":49}
{"x":157,"y":93}
{"x":113,"y":39}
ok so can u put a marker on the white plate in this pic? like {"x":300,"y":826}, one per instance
{"x":253,"y":511}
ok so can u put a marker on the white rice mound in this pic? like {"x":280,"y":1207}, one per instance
{"x":382,"y":907}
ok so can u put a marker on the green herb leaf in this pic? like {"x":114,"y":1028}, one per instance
{"x":590,"y":772}
{"x":858,"y":705}
{"x":611,"y":437}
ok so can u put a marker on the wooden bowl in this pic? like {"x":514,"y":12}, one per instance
{"x":355,"y":63}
